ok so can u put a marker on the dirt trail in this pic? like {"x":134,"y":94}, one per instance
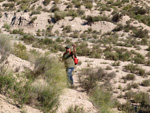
{"x":76,"y":97}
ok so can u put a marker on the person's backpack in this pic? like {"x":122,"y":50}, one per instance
{"x":74,"y":58}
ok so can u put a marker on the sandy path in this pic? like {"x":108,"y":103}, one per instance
{"x":75,"y":97}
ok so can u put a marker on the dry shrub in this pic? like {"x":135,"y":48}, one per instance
{"x":89,"y":77}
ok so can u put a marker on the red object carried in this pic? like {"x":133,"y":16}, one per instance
{"x":75,"y":60}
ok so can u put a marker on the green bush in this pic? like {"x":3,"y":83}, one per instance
{"x":148,"y":62}
{"x":134,"y":85}
{"x":146,"y":83}
{"x":72,"y":13}
{"x":9,"y":5}
{"x":18,"y":31}
{"x":95,"y":53}
{"x":6,"y":26}
{"x":56,"y":1}
{"x":75,"y":109}
{"x":35,"y":12}
{"x":28,"y":89}
{"x":89,"y":5}
{"x":124,"y":56}
{"x":67,"y":29}
{"x":24,"y":6}
{"x":138,"y":60}
{"x":116,"y":63}
{"x":27,"y":38}
{"x":142,"y":98}
{"x":103,"y":100}
{"x":76,"y":3}
{"x":127,"y":107}
{"x":91,"y":19}
{"x":58,"y":15}
{"x":89,"y":82}
{"x":82,"y":49}
{"x":135,"y":69}
{"x":140,"y":33}
{"x":129,"y":77}
{"x":2,"y":0}
{"x":46,"y":2}
{"x":5,"y":47}
{"x":144,"y":41}
{"x":116,"y":17}
{"x":20,"y":51}
{"x":89,"y":77}
{"x":129,"y":94}
{"x":1,"y":15}
{"x":131,"y":68}
{"x":7,"y":82}
{"x":112,"y":56}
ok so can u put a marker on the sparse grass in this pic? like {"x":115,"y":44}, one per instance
{"x":139,"y":98}
{"x":5,"y":47}
{"x":146,"y":83}
{"x":139,"y":60}
{"x":27,"y":92}
{"x":129,"y":77}
{"x":116,"y":17}
{"x":129,"y":94}
{"x":148,"y":62}
{"x":116,"y":63}
{"x":75,"y":109}
{"x":89,"y":77}
{"x":112,"y":56}
{"x":140,"y":33}
{"x":20,"y":51}
{"x":135,"y":69}
{"x":35,"y":12}
{"x":72,"y":13}
{"x":89,"y":5}
{"x":67,"y":29}
{"x":76,"y":3}
{"x":6,"y":26}
{"x":1,"y":15}
{"x":91,"y":19}
{"x":18,"y":31}
{"x":58,"y":15}
{"x":10,"y":6}
{"x":103,"y":100}
{"x":142,"y":98}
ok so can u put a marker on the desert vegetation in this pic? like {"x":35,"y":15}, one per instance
{"x":39,"y":87}
{"x":113,"y":48}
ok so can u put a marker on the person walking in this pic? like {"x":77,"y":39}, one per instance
{"x":13,"y":20}
{"x":68,"y":58}
{"x":20,"y":20}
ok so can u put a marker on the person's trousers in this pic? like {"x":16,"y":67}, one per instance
{"x":69,"y":75}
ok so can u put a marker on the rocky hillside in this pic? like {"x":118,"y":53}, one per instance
{"x":113,"y":47}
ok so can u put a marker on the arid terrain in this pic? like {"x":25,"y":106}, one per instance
{"x":112,"y":39}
